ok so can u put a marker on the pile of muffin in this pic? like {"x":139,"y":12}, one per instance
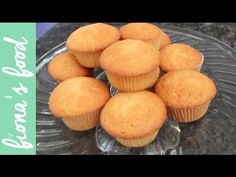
{"x":132,"y":58}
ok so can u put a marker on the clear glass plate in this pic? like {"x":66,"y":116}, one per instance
{"x":215,"y":133}
{"x":166,"y":141}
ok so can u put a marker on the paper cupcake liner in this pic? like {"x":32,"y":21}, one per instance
{"x":84,"y":122}
{"x":138,"y":142}
{"x":134,"y":83}
{"x":89,"y":60}
{"x":188,"y":114}
{"x":198,"y":68}
{"x":156,"y":42}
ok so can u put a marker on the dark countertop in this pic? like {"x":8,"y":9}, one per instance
{"x":225,"y":32}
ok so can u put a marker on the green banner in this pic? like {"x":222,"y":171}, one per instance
{"x":17,"y":88}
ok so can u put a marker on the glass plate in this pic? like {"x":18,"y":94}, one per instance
{"x":215,"y":133}
{"x":166,"y":141}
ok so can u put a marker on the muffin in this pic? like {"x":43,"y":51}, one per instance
{"x":186,"y":93}
{"x":131,"y":65}
{"x":180,"y":56}
{"x":134,"y":118}
{"x":146,"y":32}
{"x":88,"y":42}
{"x":165,"y":40}
{"x":78,"y":102}
{"x":65,"y":66}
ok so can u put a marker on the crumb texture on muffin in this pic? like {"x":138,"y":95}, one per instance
{"x":179,"y":56}
{"x":185,"y":88}
{"x":141,"y":31}
{"x":78,"y":96}
{"x":92,"y":37}
{"x":133,"y":115}
{"x":65,"y":66}
{"x":129,"y":58}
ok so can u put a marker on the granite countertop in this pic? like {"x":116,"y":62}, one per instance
{"x":218,"y":144}
{"x":225,"y":32}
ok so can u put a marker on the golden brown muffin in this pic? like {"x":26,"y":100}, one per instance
{"x":180,"y":56}
{"x":165,"y":40}
{"x":65,"y":66}
{"x":78,"y":101}
{"x":89,"y":41}
{"x":186,"y":93}
{"x":131,"y":65}
{"x":134,"y":118}
{"x":146,"y":32}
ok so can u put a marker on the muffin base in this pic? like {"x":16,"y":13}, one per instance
{"x":188,"y":114}
{"x":134,"y":83}
{"x":89,"y":59}
{"x":84,"y":122}
{"x":155,"y":42}
{"x":138,"y":142}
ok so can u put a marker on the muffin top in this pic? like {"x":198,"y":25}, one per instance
{"x":179,"y":56}
{"x":129,"y":58}
{"x":133,"y":115}
{"x":141,"y":31}
{"x":165,"y":40}
{"x":185,"y":88}
{"x":78,"y":96}
{"x":92,"y":38}
{"x":65,"y":66}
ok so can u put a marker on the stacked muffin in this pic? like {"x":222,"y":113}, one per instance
{"x":132,"y":58}
{"x":79,"y":99}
